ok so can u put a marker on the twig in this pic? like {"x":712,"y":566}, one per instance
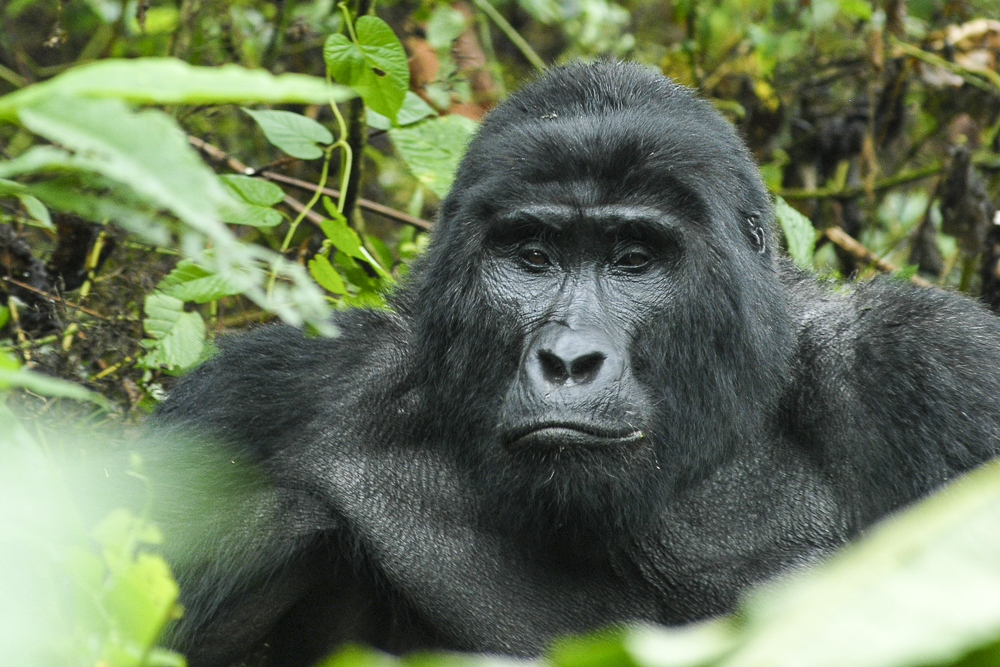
{"x":53,"y":297}
{"x":844,"y":240}
{"x":22,"y":339}
{"x":217,"y":153}
{"x":367,"y":204}
{"x":110,"y":369}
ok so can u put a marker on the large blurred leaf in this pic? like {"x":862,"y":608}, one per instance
{"x":171,"y":81}
{"x":112,"y":140}
{"x":107,"y":201}
{"x":923,"y":588}
{"x":13,"y":375}
{"x":433,"y":148}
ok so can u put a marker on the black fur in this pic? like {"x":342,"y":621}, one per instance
{"x":600,"y":397}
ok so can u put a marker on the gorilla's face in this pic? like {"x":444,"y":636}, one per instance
{"x":599,"y":307}
{"x":578,"y":280}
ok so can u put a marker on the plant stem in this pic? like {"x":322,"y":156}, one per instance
{"x":507,"y":29}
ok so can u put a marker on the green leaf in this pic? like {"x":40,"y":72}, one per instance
{"x":140,"y":600}
{"x":13,"y":375}
{"x":178,"y":337}
{"x":258,"y":195}
{"x":342,"y":237}
{"x":10,"y":187}
{"x":375,"y":67}
{"x":444,"y":26}
{"x":856,"y":9}
{"x":36,"y":158}
{"x":346,"y":241}
{"x":293,"y":133}
{"x":254,"y":190}
{"x":190,"y":282}
{"x":172,"y":81}
{"x":252,"y":216}
{"x":602,"y":648}
{"x":368,"y":298}
{"x":433,"y":148}
{"x":355,"y":274}
{"x":37,"y":211}
{"x":380,"y":249}
{"x":323,"y":273}
{"x":119,"y":533}
{"x":800,"y":235}
{"x":413,"y":109}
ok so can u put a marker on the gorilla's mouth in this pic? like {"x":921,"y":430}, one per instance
{"x":571,"y":434}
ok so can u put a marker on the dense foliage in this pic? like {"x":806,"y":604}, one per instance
{"x":173,"y":170}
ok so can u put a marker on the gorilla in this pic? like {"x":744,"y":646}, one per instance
{"x":601,"y":396}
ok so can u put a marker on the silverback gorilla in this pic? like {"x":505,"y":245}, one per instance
{"x":601,"y":396}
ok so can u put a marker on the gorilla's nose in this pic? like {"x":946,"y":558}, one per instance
{"x":562,"y":356}
{"x":557,"y":369}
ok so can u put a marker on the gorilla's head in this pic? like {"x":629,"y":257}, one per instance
{"x":599,"y":319}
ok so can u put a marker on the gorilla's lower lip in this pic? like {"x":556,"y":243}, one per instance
{"x":572,"y":435}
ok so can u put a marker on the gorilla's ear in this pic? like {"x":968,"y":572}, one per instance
{"x":756,"y":232}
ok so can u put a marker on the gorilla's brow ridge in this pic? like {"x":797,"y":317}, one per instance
{"x":559,"y":217}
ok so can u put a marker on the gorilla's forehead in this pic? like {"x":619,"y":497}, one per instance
{"x":593,"y":160}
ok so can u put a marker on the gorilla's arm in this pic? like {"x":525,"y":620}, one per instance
{"x":248,"y":530}
{"x":894,"y":392}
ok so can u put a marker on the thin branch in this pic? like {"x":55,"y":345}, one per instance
{"x":367,"y":204}
{"x":53,"y":297}
{"x":217,"y":153}
{"x":844,"y":240}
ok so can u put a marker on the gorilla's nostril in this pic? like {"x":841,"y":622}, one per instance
{"x":553,"y":368}
{"x":584,"y":369}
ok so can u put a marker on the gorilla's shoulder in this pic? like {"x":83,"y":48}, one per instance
{"x":890,"y":392}
{"x":908,"y":334}
{"x":269,"y":383}
{"x":895,"y":325}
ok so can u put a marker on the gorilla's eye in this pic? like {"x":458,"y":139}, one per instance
{"x":534,"y":258}
{"x":632,"y":259}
